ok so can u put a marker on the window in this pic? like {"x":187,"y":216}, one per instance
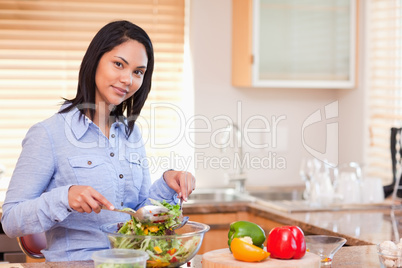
{"x":41,"y":47}
{"x":385,"y":82}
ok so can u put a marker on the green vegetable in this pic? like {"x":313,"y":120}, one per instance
{"x":162,"y":252}
{"x":174,"y":210}
{"x":241,"y":229}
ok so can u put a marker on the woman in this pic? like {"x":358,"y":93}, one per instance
{"x":89,"y":154}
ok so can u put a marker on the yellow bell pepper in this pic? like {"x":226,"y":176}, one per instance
{"x":244,"y":251}
{"x":158,"y":250}
{"x":153,"y":229}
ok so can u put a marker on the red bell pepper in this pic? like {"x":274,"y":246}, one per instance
{"x":286,"y":242}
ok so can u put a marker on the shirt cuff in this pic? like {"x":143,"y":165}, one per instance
{"x":62,"y":209}
{"x":168,"y":193}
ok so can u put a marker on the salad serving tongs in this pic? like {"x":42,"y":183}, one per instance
{"x":147,"y":213}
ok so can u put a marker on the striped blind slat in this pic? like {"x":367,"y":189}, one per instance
{"x":384,"y":82}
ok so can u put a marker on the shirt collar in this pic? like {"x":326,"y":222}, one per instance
{"x":78,"y":123}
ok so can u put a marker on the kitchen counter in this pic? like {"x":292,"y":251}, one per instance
{"x":362,"y":229}
{"x":347,"y":257}
{"x":195,"y":263}
{"x":359,"y":227}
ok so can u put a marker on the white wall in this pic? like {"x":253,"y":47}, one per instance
{"x":210,"y":45}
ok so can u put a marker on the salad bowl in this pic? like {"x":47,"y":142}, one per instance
{"x":171,"y":250}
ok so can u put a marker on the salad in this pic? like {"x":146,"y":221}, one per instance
{"x":168,"y":250}
{"x":153,"y":228}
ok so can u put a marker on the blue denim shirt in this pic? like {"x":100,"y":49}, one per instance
{"x":67,"y":150}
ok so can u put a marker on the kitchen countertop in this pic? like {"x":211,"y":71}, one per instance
{"x":359,"y":227}
{"x":195,"y":263}
{"x":362,"y":229}
{"x":346,"y":257}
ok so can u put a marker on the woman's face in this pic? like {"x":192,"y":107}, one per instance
{"x":120,"y":73}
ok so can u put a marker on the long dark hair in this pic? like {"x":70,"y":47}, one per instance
{"x":110,"y":36}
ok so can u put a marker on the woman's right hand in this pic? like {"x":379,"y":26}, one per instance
{"x":83,"y":198}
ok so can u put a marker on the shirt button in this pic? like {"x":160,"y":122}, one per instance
{"x":113,"y":136}
{"x":89,"y":163}
{"x":56,"y":220}
{"x":111,"y":154}
{"x":69,"y":210}
{"x":121,"y":176}
{"x":122,"y":203}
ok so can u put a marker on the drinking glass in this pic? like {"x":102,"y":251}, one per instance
{"x":322,"y":191}
{"x":348,"y":184}
{"x":307,"y":170}
{"x":372,"y":190}
{"x":348,"y":188}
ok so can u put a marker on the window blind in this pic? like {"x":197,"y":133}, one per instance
{"x":384,"y":82}
{"x":42,"y":43}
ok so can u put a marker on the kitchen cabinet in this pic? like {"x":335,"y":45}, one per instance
{"x":294,"y":44}
{"x":217,"y":236}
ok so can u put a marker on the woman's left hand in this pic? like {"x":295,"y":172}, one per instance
{"x":183,"y":182}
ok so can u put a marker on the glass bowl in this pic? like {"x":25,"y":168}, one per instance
{"x":324,"y":246}
{"x":165,"y":250}
{"x":128,"y":258}
{"x":389,"y":257}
